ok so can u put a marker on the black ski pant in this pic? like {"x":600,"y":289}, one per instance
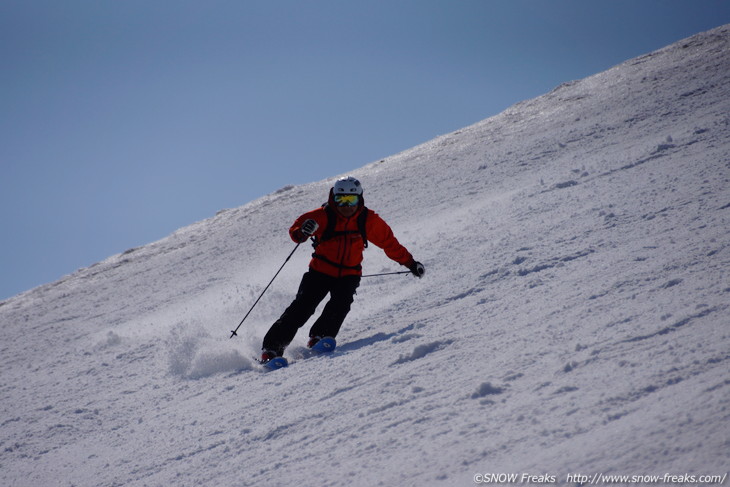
{"x":312,"y":290}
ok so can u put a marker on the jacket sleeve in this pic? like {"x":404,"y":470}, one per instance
{"x":318,"y":215}
{"x":381,"y":234}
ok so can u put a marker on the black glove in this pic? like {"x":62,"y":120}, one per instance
{"x":309,"y":227}
{"x":417,"y":269}
{"x":306,"y":230}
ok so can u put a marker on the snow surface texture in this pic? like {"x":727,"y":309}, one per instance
{"x":573,"y":318}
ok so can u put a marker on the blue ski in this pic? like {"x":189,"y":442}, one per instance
{"x":325,"y":345}
{"x":276,"y":363}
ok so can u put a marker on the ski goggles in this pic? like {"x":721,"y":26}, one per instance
{"x":347,"y":199}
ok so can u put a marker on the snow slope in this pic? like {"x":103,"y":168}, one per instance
{"x":573,"y":318}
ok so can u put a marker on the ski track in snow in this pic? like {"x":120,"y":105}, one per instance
{"x":573,"y":318}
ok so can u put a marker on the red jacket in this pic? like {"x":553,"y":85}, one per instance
{"x":341,"y":255}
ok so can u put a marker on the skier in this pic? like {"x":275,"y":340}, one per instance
{"x":340,"y":230}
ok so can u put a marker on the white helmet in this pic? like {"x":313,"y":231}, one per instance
{"x":348,"y":185}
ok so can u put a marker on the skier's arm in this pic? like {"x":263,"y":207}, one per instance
{"x":301,"y":230}
{"x":381,"y":234}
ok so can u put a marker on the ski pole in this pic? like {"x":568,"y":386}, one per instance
{"x":387,"y":274}
{"x":233,"y":332}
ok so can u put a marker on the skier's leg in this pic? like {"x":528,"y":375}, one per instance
{"x":342,"y":292}
{"x":312,"y":290}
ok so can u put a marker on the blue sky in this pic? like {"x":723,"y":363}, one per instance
{"x":122,"y":121}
